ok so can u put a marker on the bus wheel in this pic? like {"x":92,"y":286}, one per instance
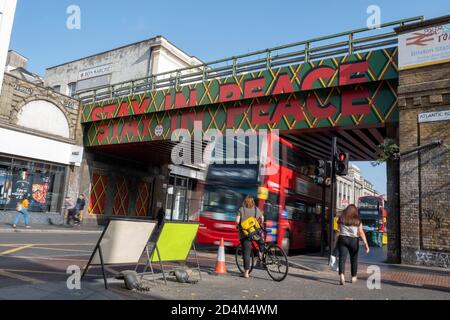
{"x":286,"y":242}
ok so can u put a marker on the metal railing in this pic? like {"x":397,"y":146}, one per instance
{"x":349,"y":42}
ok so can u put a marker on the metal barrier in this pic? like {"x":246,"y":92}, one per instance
{"x":299,"y":52}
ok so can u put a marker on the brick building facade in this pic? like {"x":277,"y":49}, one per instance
{"x":425,"y":174}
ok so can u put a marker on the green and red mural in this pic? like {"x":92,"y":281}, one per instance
{"x":356,"y":90}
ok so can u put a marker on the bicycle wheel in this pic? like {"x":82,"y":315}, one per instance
{"x":276,"y":263}
{"x":240,"y":259}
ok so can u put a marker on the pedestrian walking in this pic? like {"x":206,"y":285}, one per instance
{"x":67,"y":205}
{"x":22,"y":209}
{"x":350,"y":230}
{"x":74,"y":213}
{"x":248,"y":210}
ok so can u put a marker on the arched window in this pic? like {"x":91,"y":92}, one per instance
{"x":44,"y":116}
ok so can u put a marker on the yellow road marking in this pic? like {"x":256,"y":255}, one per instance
{"x":60,"y":249}
{"x":45,"y":244}
{"x":15,"y":249}
{"x":19,"y":277}
{"x":50,"y":258}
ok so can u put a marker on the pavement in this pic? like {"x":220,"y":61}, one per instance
{"x":395,"y":274}
{"x":48,"y":228}
{"x":377,"y":256}
{"x":34,"y":266}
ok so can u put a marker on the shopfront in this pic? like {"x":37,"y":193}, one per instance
{"x":178,"y":198}
{"x":184,"y":192}
{"x":43,"y":182}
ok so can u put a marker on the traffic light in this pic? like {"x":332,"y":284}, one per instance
{"x":320,"y":172}
{"x":342,"y":163}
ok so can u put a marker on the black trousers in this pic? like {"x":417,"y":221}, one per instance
{"x":247,"y":250}
{"x":348,"y":245}
{"x":72,"y":215}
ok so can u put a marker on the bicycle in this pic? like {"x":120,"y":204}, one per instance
{"x":272,"y":258}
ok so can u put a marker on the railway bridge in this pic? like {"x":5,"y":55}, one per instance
{"x":347,"y":85}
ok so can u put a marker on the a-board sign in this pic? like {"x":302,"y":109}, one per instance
{"x":124,"y":241}
{"x":175,"y":241}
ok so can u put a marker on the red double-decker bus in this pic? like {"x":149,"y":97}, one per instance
{"x":291,"y":202}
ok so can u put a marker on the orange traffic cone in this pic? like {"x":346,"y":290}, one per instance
{"x":220,"y":264}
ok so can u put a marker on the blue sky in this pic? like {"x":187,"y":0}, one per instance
{"x":207,"y":29}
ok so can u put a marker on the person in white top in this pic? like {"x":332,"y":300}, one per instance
{"x":350,"y":229}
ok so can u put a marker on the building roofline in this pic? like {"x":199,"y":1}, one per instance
{"x":122,"y":47}
{"x":11,"y":50}
{"x":20,"y":69}
{"x":184,"y":52}
{"x":103,"y":52}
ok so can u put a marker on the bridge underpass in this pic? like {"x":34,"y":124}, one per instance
{"x":344,"y":85}
{"x":361,"y":144}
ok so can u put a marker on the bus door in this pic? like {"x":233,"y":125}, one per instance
{"x":313,"y":225}
{"x":296,"y":215}
{"x":271,"y":217}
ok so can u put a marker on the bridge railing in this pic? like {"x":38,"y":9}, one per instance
{"x":349,"y":42}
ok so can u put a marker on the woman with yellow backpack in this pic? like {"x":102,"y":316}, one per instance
{"x":245,"y":223}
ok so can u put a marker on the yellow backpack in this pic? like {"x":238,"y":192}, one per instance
{"x":250,"y":226}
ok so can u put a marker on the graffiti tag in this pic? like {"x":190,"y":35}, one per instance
{"x":429,"y":258}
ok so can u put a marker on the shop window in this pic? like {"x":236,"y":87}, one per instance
{"x":72,"y":88}
{"x":21,"y":183}
{"x":5,"y":185}
{"x":43,"y":183}
{"x":178,"y":200}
